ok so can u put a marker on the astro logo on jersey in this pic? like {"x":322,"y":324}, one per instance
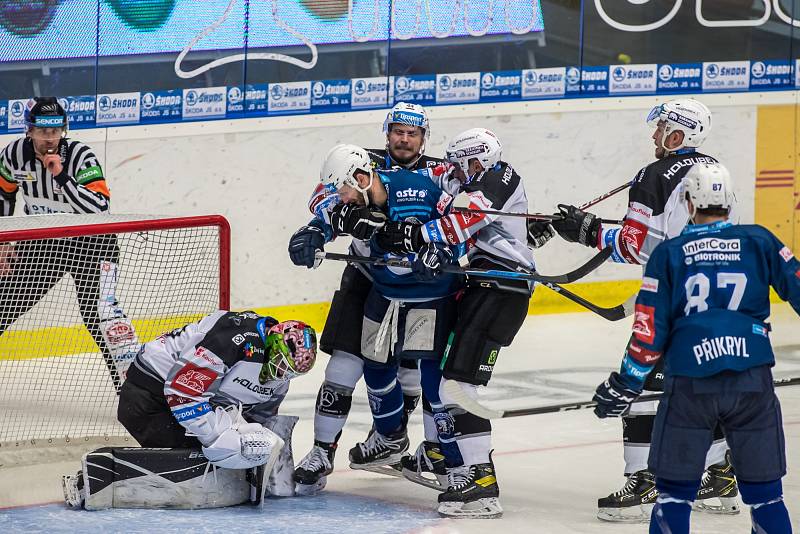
{"x":644,"y":323}
{"x":406,"y":195}
{"x":193,"y":380}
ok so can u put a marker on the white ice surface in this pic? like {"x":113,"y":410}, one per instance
{"x":551,"y":468}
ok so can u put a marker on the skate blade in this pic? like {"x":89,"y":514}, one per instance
{"x":486,"y":508}
{"x":393,"y":470}
{"x":718,"y":505}
{"x":439,"y":483}
{"x":306,"y":490}
{"x":629,"y":514}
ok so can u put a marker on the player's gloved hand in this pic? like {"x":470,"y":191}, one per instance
{"x":577,"y":226}
{"x":539,"y":233}
{"x":400,"y":237}
{"x":304,"y":245}
{"x":430,"y":259}
{"x":357,"y":221}
{"x":613,"y":398}
{"x":243,"y":448}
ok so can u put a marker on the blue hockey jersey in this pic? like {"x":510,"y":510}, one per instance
{"x":415,"y":196}
{"x":704,"y":302}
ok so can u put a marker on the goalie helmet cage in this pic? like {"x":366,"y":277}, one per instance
{"x":79,"y":294}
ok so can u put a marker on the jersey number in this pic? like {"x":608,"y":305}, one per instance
{"x":701,"y":285}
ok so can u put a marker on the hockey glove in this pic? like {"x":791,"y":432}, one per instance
{"x":613,"y":398}
{"x":577,"y":226}
{"x":430,"y":259}
{"x":357,"y":221}
{"x":400,"y":238}
{"x":539,"y":233}
{"x":304,"y":245}
{"x":248,"y":446}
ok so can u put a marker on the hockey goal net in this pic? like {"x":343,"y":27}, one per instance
{"x":79,"y":294}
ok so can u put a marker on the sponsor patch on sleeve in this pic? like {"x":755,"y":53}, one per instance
{"x":650,"y":284}
{"x":644,"y":323}
{"x":786,"y":254}
{"x":193,"y":380}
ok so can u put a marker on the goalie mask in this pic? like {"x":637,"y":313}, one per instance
{"x":291,"y":351}
{"x":688,"y":115}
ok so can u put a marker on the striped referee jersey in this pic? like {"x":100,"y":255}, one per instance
{"x":80,"y":188}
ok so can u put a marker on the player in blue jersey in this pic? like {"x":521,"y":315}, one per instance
{"x":703,"y":308}
{"x":408,"y":313}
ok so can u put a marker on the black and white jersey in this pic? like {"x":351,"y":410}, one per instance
{"x":214,"y":362}
{"x":656,"y":210}
{"x":80,"y":188}
{"x":323,"y":200}
{"x":495,"y":237}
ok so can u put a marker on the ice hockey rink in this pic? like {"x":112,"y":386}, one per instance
{"x":551,"y":468}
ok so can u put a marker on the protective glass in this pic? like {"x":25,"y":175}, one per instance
{"x":655,"y":115}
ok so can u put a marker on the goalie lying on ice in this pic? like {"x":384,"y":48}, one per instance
{"x":206,"y":394}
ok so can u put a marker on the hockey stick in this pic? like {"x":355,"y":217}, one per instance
{"x":543,"y":217}
{"x":534,"y":216}
{"x":566,"y":278}
{"x":471,"y":405}
{"x":614,"y":313}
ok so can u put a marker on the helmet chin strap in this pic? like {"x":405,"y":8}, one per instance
{"x":667,"y":151}
{"x":363,"y":190}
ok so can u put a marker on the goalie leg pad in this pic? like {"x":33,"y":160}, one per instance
{"x":281,"y":478}
{"x":343,"y":326}
{"x":116,"y":477}
{"x":488,"y":319}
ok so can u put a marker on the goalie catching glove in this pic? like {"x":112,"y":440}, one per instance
{"x":359,"y":222}
{"x":577,"y":226}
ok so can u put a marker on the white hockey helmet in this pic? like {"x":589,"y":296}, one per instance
{"x":688,"y":115}
{"x":708,"y":185}
{"x":475,"y":143}
{"x":340,"y":166}
{"x":410,"y":115}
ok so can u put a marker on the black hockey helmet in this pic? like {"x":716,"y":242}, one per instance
{"x":45,"y":112}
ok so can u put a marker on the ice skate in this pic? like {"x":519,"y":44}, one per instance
{"x":426,"y":466}
{"x":718,"y":490}
{"x":311,"y":474}
{"x":472,"y":492}
{"x":633,"y":503}
{"x":379,"y":453}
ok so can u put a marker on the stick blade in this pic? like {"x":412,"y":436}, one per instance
{"x":455,"y":392}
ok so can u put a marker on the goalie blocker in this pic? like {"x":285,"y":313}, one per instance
{"x":179,"y":478}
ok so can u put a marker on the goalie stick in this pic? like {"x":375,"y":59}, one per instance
{"x":596,"y":260}
{"x":474,"y":407}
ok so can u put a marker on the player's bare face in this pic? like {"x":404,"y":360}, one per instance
{"x":658,"y":138}
{"x":350,"y":195}
{"x":45,"y":140}
{"x":405,"y":142}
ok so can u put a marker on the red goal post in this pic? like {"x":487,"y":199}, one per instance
{"x":79,"y":294}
